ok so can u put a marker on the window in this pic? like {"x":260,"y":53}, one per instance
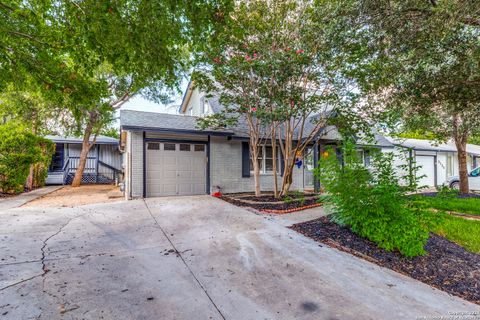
{"x":184,"y":147}
{"x":199,"y":147}
{"x":449,"y":165}
{"x":153,"y":146}
{"x":265,"y":160}
{"x":361,"y":156}
{"x":470,"y":162}
{"x":308,"y":158}
{"x":169,"y":146}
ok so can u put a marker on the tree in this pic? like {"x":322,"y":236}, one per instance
{"x":115,"y":50}
{"x":29,"y":43}
{"x":29,"y":109}
{"x":92,"y":56}
{"x":20,"y":149}
{"x":273,"y":68}
{"x":419,"y":61}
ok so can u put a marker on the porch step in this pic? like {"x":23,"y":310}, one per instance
{"x":54,"y":178}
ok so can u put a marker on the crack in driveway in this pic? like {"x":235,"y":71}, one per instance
{"x":45,"y":270}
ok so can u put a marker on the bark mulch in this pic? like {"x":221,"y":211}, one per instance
{"x":271,"y":198}
{"x":446,"y":266}
{"x":460,"y":196}
{"x":269,"y":204}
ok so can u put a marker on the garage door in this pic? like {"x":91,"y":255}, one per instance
{"x":175,"y":169}
{"x":427,"y":170}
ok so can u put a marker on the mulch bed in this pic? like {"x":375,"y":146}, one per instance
{"x":460,"y":196}
{"x":271,"y":198}
{"x":269,"y":204}
{"x":446,"y":266}
{"x":284,"y":211}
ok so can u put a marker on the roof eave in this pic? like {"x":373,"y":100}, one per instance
{"x":179,"y":131}
{"x":186,"y":97}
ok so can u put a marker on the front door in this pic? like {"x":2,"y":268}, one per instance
{"x":57,"y":159}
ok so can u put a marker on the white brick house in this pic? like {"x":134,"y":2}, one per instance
{"x":167,"y":154}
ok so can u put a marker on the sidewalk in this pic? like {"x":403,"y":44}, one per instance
{"x":21,"y":199}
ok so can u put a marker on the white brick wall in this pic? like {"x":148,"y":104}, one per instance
{"x":137,"y":163}
{"x":226,"y":169}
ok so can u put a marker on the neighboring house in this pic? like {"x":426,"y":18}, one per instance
{"x":168,"y":155}
{"x":438,"y":162}
{"x":104,"y":162}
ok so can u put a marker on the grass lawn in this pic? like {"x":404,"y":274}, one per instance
{"x":468,"y":205}
{"x":461,"y":231}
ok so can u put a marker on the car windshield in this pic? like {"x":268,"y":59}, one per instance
{"x":475,"y":172}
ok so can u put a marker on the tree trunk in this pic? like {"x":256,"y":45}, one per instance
{"x":462,"y":164}
{"x":289,"y":160}
{"x":86,"y":146}
{"x":256,"y":170}
{"x":274,"y":159}
{"x":29,"y":183}
{"x":287,"y":180}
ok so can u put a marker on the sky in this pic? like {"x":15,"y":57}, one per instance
{"x":139,"y":103}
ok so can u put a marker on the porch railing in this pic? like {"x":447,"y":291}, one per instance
{"x":95,"y":171}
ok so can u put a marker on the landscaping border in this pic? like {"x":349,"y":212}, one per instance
{"x":272,"y":211}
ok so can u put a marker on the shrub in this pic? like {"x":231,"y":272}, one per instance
{"x":371,"y":202}
{"x":445,"y":192}
{"x":19,"y":150}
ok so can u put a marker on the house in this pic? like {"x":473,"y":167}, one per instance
{"x":104,"y":162}
{"x":437,"y":162}
{"x":167,"y":154}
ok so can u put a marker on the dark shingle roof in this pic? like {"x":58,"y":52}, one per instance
{"x":130,"y":119}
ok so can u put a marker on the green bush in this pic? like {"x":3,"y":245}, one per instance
{"x":445,"y":192}
{"x":371,"y":202}
{"x":19,"y":150}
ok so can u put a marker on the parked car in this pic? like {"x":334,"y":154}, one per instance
{"x":473,"y":180}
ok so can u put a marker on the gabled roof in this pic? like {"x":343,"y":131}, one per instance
{"x":186,"y":97}
{"x":75,"y":140}
{"x":424,"y":145}
{"x":164,"y":122}
{"x":429,"y":145}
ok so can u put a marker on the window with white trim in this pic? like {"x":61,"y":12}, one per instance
{"x":265,"y":159}
{"x":449,"y":165}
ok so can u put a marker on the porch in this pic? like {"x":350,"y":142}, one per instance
{"x":103,"y":164}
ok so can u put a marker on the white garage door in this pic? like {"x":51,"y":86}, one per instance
{"x":427,"y":170}
{"x":175,"y":169}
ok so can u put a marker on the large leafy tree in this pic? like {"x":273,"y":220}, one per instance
{"x":29,"y":43}
{"x":274,"y":70}
{"x":92,"y":56}
{"x":123,"y":48}
{"x":419,"y":64}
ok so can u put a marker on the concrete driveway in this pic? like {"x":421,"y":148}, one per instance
{"x":191,"y":258}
